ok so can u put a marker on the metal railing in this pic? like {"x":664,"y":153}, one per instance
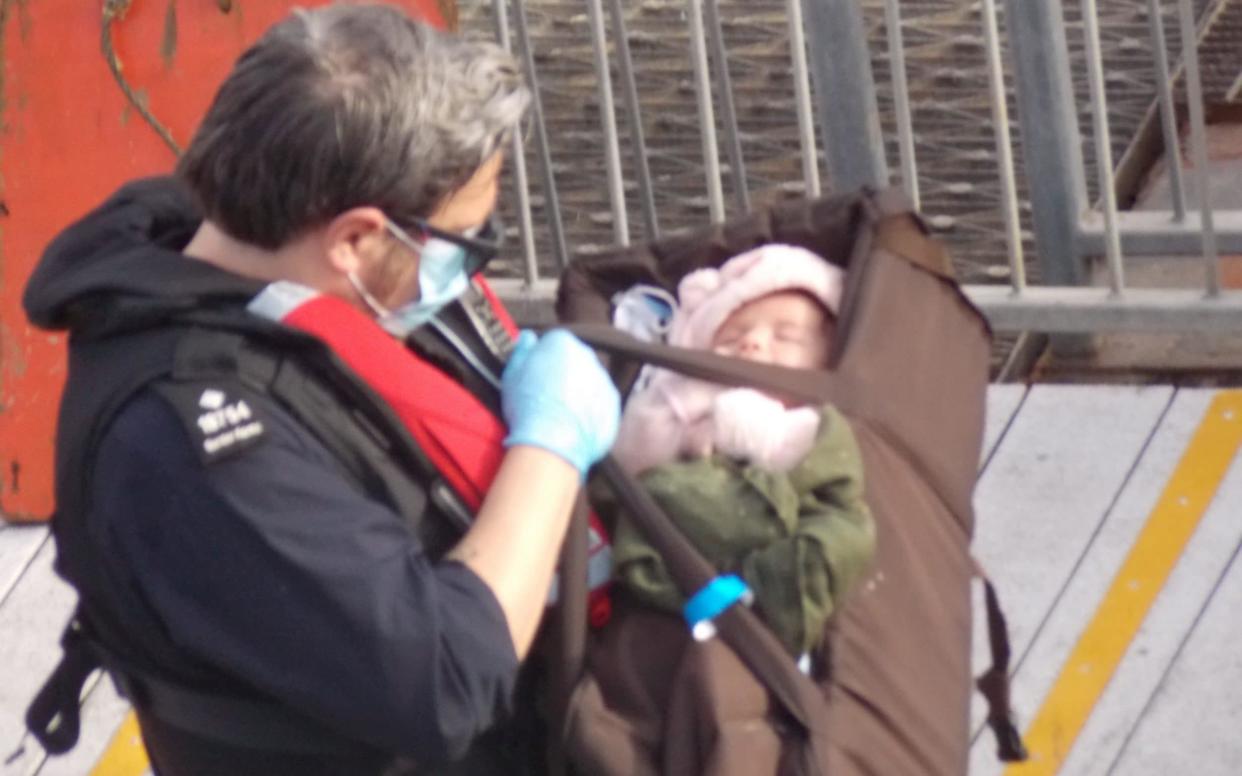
{"x":835,"y":61}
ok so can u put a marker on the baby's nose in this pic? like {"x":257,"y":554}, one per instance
{"x":753,"y":343}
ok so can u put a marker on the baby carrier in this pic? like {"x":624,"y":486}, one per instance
{"x":909,"y":369}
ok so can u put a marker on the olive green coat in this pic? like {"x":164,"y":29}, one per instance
{"x":800,"y":538}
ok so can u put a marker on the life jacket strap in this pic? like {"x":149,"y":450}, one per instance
{"x":54,"y":717}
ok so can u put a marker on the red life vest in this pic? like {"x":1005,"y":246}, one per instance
{"x":458,"y":433}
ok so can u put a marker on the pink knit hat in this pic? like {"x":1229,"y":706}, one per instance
{"x":707,"y":297}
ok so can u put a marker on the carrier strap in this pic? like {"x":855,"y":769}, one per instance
{"x":807,"y":385}
{"x":993,"y":684}
{"x":741,"y":629}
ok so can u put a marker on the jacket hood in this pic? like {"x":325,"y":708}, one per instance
{"x":127,"y":251}
{"x":707,"y":297}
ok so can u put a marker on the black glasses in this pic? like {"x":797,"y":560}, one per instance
{"x":481,"y":247}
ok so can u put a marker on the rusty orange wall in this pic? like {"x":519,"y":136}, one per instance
{"x":69,"y":136}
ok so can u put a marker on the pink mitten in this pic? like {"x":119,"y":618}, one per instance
{"x":667,"y":419}
{"x":753,"y":427}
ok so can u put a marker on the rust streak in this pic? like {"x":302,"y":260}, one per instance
{"x":168,"y":45}
{"x":114,"y":10}
{"x":4,"y":27}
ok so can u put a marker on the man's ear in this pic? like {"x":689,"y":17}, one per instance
{"x":355,"y":238}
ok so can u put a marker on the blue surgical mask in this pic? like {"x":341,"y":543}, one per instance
{"x":441,"y":279}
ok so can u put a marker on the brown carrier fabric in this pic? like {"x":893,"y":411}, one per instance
{"x":909,"y":369}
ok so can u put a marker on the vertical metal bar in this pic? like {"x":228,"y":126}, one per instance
{"x":1004,"y":148}
{"x":707,"y":116}
{"x":608,"y":121}
{"x":845,"y":94}
{"x":724,"y":84}
{"x":1103,"y":149}
{"x":1168,"y":119}
{"x":526,"y":225}
{"x":552,"y":204}
{"x":901,"y":100}
{"x":802,"y":98}
{"x":1198,"y":144}
{"x":1050,"y":139}
{"x":638,"y":143}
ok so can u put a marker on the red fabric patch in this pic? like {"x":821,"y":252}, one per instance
{"x":456,"y":431}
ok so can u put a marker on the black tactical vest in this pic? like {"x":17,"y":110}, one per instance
{"x":133,"y":344}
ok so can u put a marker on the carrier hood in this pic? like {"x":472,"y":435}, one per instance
{"x":708,"y":296}
{"x":909,"y":372}
{"x":127,"y":252}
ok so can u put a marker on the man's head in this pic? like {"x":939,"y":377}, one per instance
{"x":349,"y":107}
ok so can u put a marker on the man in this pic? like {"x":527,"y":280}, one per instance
{"x":263,"y":556}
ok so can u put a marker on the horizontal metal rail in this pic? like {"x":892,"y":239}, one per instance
{"x":1052,"y":309}
{"x":1156,"y":233}
{"x":1067,"y":230}
{"x":1065,"y":309}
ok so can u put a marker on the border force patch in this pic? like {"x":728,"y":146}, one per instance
{"x":218,"y":418}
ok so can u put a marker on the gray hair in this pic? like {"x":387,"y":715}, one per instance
{"x":346,"y":106}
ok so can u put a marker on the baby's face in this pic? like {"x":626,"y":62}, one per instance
{"x":787,"y":328}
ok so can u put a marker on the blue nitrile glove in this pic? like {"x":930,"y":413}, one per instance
{"x":556,"y":395}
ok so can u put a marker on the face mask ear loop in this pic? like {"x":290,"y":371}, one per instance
{"x":465,"y":352}
{"x":374,"y":304}
{"x":403,"y":237}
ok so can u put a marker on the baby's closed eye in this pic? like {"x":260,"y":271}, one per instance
{"x":793,"y":333}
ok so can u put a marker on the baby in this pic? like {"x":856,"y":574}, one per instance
{"x":765,"y":490}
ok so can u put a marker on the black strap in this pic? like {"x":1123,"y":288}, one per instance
{"x":54,"y":718}
{"x":229,"y":719}
{"x":993,"y":684}
{"x":567,"y":650}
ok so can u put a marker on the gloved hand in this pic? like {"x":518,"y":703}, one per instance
{"x":556,"y":395}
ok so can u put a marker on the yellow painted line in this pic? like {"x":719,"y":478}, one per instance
{"x":1169,"y":527}
{"x":125,"y":755}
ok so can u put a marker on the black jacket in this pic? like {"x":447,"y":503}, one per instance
{"x":276,"y":568}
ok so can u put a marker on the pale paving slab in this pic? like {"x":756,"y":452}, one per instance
{"x":1167,"y":625}
{"x":1169,"y":619}
{"x":1061,"y":464}
{"x":31,"y":619}
{"x":18,"y":546}
{"x":1196,"y":712}
{"x":1003,"y":402}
